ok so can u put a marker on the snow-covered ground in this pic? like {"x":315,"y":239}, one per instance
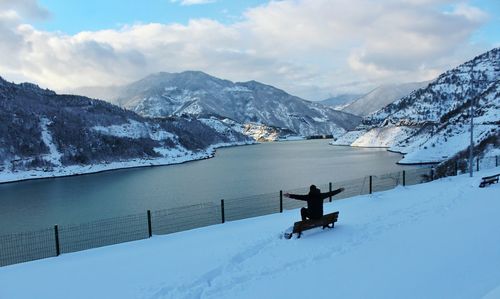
{"x":384,"y":136}
{"x":438,"y":147}
{"x":54,"y":155}
{"x":435,"y":240}
{"x":348,"y":138}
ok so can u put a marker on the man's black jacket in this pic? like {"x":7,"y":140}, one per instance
{"x":315,"y":201}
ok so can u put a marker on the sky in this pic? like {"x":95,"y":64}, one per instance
{"x":310,"y":48}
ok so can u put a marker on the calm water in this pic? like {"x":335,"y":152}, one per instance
{"x":234,"y":172}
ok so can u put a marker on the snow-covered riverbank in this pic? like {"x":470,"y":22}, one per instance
{"x":434,"y":240}
{"x":170,"y":158}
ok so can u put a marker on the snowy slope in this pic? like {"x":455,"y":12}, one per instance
{"x":454,"y":135}
{"x":384,"y":136}
{"x":450,"y":90}
{"x":340,"y":101}
{"x":431,"y":124}
{"x":349,"y":137}
{"x":381,"y":97}
{"x":201,"y":95}
{"x":435,"y":240}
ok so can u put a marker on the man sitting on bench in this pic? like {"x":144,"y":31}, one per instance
{"x":314,"y":200}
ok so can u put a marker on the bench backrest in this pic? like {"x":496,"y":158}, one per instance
{"x":495,"y":176}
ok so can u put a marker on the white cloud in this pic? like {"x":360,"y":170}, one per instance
{"x":26,"y":8}
{"x":310,"y":48}
{"x":471,"y":13}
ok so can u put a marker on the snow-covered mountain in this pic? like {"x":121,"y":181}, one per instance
{"x":340,"y":101}
{"x":452,"y":135}
{"x":54,"y":134}
{"x":204,"y":96}
{"x":449,"y":91}
{"x":380,"y":97}
{"x":432,"y":123}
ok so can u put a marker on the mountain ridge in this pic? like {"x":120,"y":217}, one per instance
{"x":430,"y":125}
{"x":380,"y":97}
{"x":201,"y":95}
{"x":50,"y":135}
{"x":338,"y":102}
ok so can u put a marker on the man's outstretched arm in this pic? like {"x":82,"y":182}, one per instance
{"x":332,"y":193}
{"x":296,"y":196}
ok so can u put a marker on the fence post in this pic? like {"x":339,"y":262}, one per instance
{"x":222,"y":210}
{"x":496,"y":161}
{"x":56,"y":233}
{"x":330,"y":188}
{"x":150,"y":230}
{"x":281,"y":201}
{"x":477,"y":165}
{"x":432,"y":173}
{"x":370,"y":184}
{"x":404,"y":178}
{"x":456,"y":167}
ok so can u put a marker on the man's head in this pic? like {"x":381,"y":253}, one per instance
{"x":313,"y":189}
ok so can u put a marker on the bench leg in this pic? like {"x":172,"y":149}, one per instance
{"x":330,"y":225}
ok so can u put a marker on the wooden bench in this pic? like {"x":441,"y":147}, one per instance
{"x":488,"y":180}
{"x":327,"y":220}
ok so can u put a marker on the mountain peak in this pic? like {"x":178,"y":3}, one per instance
{"x":493,"y":53}
{"x":195,"y":74}
{"x":380,"y":97}
{"x":189,"y":80}
{"x":199,"y":94}
{"x":253,"y":83}
{"x":26,"y":86}
{"x":189,"y":74}
{"x":256,"y":85}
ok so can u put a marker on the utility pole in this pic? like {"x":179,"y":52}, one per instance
{"x":471,"y":150}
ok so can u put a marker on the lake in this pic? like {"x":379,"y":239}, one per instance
{"x":234,"y":172}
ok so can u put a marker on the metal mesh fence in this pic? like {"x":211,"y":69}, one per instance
{"x":352,"y":187}
{"x":386,"y":181}
{"x":418,"y":176}
{"x":461,"y":165}
{"x":252,"y":206}
{"x":23,"y":247}
{"x":103,"y":232}
{"x":488,"y":162}
{"x":184,"y":218}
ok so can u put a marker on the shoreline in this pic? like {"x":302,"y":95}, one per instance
{"x":417,"y":163}
{"x":397,"y":152}
{"x":80,"y":170}
{"x":391,"y":151}
{"x":359,"y":146}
